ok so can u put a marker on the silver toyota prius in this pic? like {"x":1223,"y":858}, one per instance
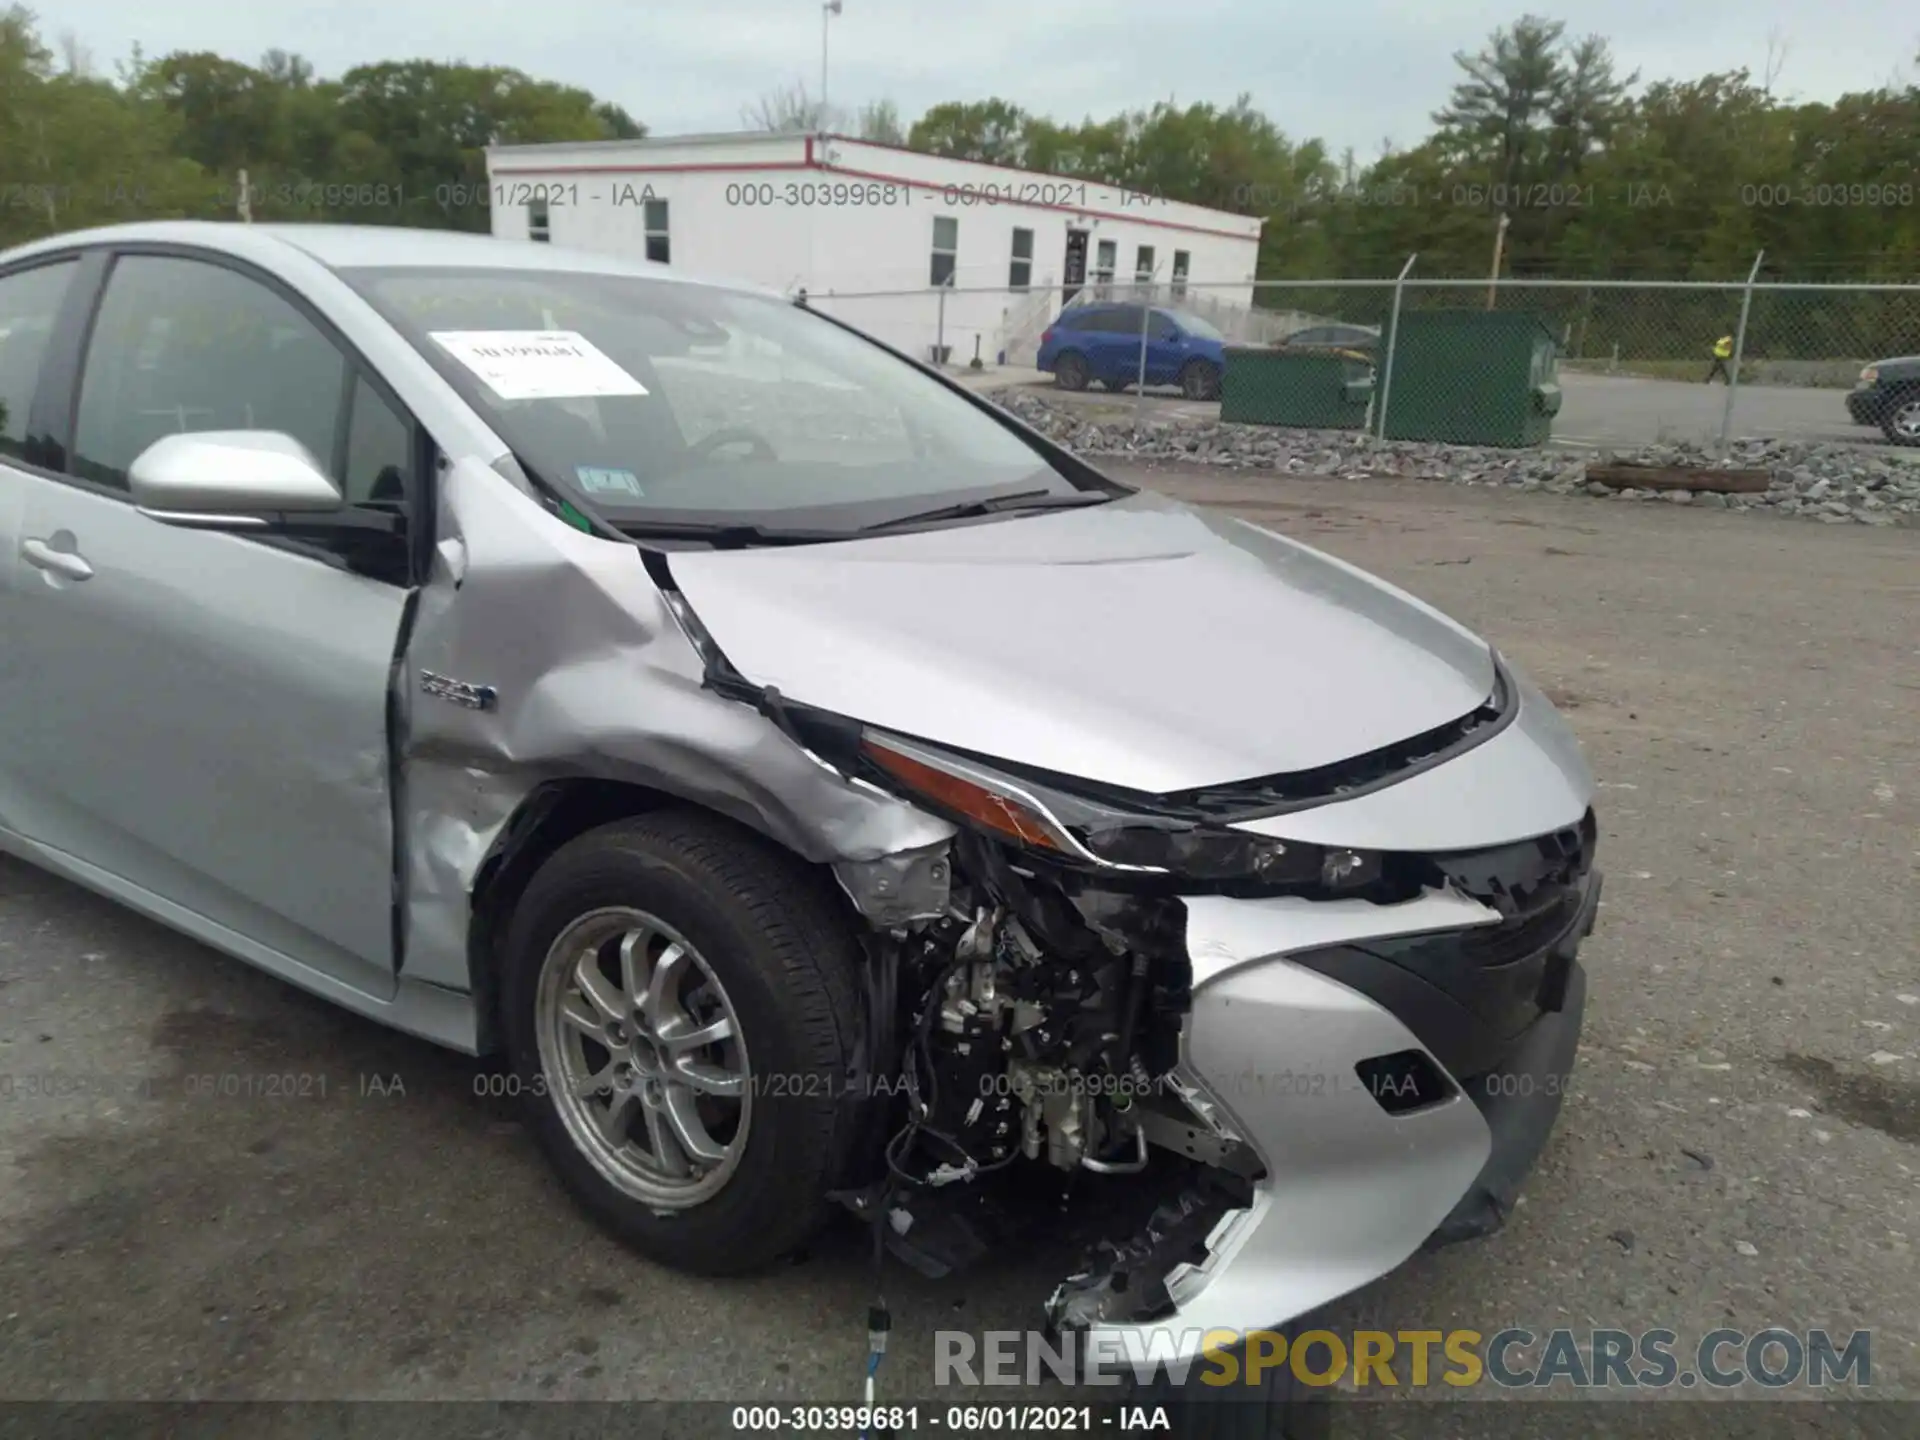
{"x":826,"y":794}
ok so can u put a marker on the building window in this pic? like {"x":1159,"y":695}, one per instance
{"x":658,"y":248}
{"x":1104,"y":261}
{"x":1181,"y":260}
{"x":1020,"y":272}
{"x":537,"y":220}
{"x":1143,"y":264}
{"x":946,"y":248}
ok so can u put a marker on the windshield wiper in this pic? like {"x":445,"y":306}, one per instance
{"x":992,"y":505}
{"x":725,"y":536}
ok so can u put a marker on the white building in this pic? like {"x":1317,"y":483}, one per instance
{"x":844,"y":218}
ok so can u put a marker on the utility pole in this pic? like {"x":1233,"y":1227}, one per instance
{"x":246,"y":201}
{"x":828,"y":10}
{"x":1499,"y":245}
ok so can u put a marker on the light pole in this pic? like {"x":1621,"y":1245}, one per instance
{"x":1499,"y":244}
{"x":828,"y":10}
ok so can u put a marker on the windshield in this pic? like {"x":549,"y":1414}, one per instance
{"x":664,"y":402}
{"x":1194,"y":325}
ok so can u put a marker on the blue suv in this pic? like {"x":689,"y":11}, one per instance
{"x":1102,"y":342}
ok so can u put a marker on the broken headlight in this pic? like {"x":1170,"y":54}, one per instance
{"x":1202,"y":852}
{"x":1087,"y":832}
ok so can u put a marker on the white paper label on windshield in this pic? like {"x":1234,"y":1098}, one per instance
{"x":538,"y":364}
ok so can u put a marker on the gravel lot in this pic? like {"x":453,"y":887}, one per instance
{"x":1740,"y":1149}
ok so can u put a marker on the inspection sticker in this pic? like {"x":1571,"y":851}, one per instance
{"x":538,"y":364}
{"x":608,"y":482}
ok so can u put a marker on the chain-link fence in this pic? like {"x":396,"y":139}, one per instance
{"x":1509,"y":362}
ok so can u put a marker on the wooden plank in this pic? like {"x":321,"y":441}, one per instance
{"x":1680,"y":477}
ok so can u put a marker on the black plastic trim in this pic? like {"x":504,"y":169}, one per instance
{"x":1469,"y":1015}
{"x":1388,"y":765}
{"x":1220,"y":805}
{"x":1520,"y":1103}
{"x":1405,"y":1081}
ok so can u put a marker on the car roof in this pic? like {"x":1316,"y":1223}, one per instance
{"x":346,"y":247}
{"x":1103,"y":307}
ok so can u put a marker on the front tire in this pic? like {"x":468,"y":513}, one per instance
{"x":1901,"y":423}
{"x":681,"y":1008}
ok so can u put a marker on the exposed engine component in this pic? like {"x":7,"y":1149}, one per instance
{"x":1128,"y":1280}
{"x":1028,"y":1040}
{"x":1025,"y":1054}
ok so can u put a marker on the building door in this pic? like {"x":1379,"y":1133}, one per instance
{"x":1075,"y":270}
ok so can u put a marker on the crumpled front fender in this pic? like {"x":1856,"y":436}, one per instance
{"x":539,"y":652}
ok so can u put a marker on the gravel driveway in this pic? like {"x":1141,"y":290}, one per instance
{"x":1740,"y":1148}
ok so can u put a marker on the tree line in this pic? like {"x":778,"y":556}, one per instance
{"x":1597,"y":173}
{"x":402,"y":142}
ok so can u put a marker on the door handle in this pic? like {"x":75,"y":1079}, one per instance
{"x":61,"y":562}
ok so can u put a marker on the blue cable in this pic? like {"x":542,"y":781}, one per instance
{"x":873,"y":1366}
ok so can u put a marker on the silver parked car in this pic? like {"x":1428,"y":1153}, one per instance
{"x":826,"y":792}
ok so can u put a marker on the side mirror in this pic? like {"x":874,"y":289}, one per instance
{"x":230,"y":479}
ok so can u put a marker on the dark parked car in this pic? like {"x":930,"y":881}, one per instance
{"x":1888,"y":395}
{"x":1363,"y":339}
{"x":1102,"y":342}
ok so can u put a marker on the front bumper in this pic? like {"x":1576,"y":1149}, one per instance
{"x":1281,"y":1051}
{"x":1520,"y":1101}
{"x":1866,"y":405}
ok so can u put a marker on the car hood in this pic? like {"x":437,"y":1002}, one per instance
{"x":1137,"y":643}
{"x":1904,"y":362}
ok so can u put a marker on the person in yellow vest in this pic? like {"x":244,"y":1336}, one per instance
{"x":1722,"y":352}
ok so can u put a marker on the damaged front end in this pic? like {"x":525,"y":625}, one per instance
{"x":1254,"y":1073}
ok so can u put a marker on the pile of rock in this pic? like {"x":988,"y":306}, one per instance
{"x":1837,"y":484}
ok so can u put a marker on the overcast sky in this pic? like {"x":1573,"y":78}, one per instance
{"x":1353,"y":73}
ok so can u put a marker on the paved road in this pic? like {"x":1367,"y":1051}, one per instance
{"x":1601,"y":411}
{"x":1740,"y":1148}
{"x":1619,"y":410}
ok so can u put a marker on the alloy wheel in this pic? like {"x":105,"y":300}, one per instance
{"x":643,"y":1058}
{"x":1905,"y":422}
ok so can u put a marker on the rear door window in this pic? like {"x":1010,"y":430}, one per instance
{"x":29,"y":301}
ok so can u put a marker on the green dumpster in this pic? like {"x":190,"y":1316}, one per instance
{"x":1306,"y":389}
{"x":1472,"y":377}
